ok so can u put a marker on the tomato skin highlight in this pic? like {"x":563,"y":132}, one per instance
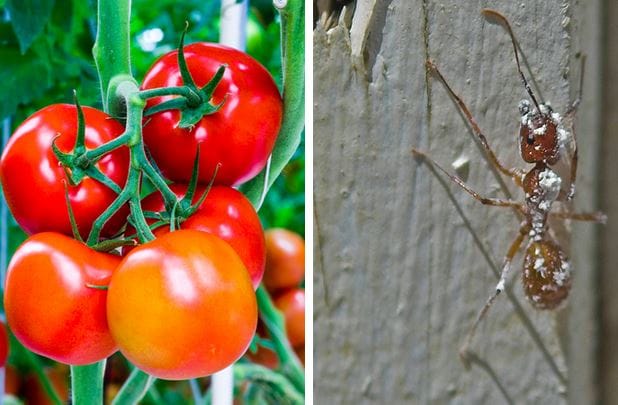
{"x":227,"y":213}
{"x":32,"y":178}
{"x":49,"y":306}
{"x":240,"y":136}
{"x":285,"y":260}
{"x":292,"y":304}
{"x":182,"y":306}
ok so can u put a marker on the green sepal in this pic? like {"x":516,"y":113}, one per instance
{"x":65,"y":159}
{"x":190,"y":116}
{"x":187,"y":79}
{"x":74,"y":227}
{"x":186,"y":200}
{"x":80,"y":139}
{"x":199,"y":202}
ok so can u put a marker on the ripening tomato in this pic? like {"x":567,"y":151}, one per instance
{"x":51,"y":305}
{"x":226,"y":213}
{"x":182,"y":306}
{"x":292,"y":304}
{"x":240,"y":136}
{"x":285,"y":259}
{"x":32,"y":179}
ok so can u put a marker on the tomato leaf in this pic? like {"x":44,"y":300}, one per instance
{"x":28,"y":18}
{"x":24,"y":79}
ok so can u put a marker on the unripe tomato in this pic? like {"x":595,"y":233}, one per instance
{"x":292,"y":304}
{"x":32,"y":179}
{"x":182,"y":306}
{"x":51,"y":306}
{"x":226,"y":213}
{"x":285,"y":260}
{"x":240,"y":136}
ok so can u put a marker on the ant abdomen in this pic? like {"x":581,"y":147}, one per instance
{"x":547,"y":275}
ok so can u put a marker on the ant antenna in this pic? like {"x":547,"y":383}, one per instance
{"x":489,"y":13}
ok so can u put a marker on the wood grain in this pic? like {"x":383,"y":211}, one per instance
{"x":399,"y":276}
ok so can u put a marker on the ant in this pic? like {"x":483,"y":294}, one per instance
{"x":543,"y":139}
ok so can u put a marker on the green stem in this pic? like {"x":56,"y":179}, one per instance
{"x":95,"y":154}
{"x":275,"y":323}
{"x":87,"y":383}
{"x":262,"y":375}
{"x":169,"y":91}
{"x":111,"y":48}
{"x":293,"y":52}
{"x":35,"y":363}
{"x":134,"y":388}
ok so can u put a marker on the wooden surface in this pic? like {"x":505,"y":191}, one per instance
{"x":399,"y":270}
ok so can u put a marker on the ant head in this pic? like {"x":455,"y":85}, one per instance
{"x":538,"y":135}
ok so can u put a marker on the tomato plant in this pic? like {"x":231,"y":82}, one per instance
{"x":182,"y":306}
{"x":292,"y":305}
{"x":240,"y":136}
{"x":285,"y":259}
{"x":51,"y":301}
{"x":225,"y":212}
{"x":33,"y":181}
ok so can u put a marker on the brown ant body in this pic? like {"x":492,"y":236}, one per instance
{"x":543,"y":140}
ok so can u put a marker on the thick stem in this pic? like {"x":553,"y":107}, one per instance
{"x":87,"y":383}
{"x":293,"y":52}
{"x":275,"y":324}
{"x":111,"y":49}
{"x":262,"y":375}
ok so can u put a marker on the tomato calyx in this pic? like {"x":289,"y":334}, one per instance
{"x":197,"y":101}
{"x":76,"y":164}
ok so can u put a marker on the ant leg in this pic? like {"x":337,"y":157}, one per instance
{"x":515,"y":174}
{"x":569,"y":116}
{"x":496,"y":202}
{"x":513,"y":249}
{"x":597,"y":216}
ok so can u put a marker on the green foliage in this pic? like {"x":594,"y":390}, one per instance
{"x":28,"y":18}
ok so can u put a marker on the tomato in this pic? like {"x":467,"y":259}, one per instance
{"x":4,"y":344}
{"x":49,"y":306}
{"x":33,"y":180}
{"x":292,"y":304}
{"x":182,"y":306}
{"x":240,"y":136}
{"x":285,"y":259}
{"x":228,"y":214}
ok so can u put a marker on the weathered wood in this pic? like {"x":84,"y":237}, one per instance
{"x":398,"y":275}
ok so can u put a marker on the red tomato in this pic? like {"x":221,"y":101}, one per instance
{"x":49,"y":306}
{"x":32,"y":179}
{"x":4,"y":344}
{"x":228,"y":214}
{"x":265,"y":357}
{"x":240,"y":136}
{"x":182,"y":306}
{"x":300,"y":352}
{"x":292,"y":305}
{"x":285,"y":260}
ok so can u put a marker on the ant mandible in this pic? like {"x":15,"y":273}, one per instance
{"x":543,"y":139}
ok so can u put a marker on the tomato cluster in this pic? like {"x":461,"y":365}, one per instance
{"x":284,"y":274}
{"x":183,"y":304}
